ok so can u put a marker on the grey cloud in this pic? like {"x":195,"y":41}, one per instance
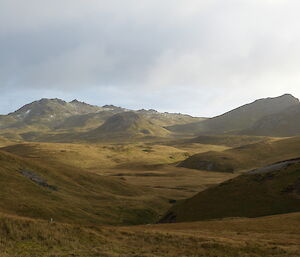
{"x":201,"y":57}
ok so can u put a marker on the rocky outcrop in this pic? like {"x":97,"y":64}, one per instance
{"x":37,"y":179}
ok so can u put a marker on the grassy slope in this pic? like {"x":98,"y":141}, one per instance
{"x":172,"y":182}
{"x":246,"y":157}
{"x":249,"y":195}
{"x":82,"y":197}
{"x":240,"y":118}
{"x":286,"y":123}
{"x":276,"y":236}
{"x":227,"y":140}
{"x":95,"y":157}
{"x":144,"y":165}
{"x":6,"y":142}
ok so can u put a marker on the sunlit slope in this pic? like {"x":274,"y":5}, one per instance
{"x":245,"y":157}
{"x":145,"y":165}
{"x":71,"y":195}
{"x":268,"y":191}
{"x":100,"y":156}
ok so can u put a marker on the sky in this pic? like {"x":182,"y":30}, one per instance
{"x":200,"y":57}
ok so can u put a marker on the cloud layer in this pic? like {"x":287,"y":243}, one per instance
{"x":199,"y":57}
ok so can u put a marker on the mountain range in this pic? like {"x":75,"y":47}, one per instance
{"x":51,"y":118}
{"x":58,"y":120}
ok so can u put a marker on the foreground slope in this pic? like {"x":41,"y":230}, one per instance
{"x":240,"y":118}
{"x":266,"y":191}
{"x":276,"y":236}
{"x":71,"y":195}
{"x":245,"y":157}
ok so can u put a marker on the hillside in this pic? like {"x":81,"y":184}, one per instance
{"x":240,"y":118}
{"x":167,"y":119}
{"x":227,"y":140}
{"x":96,"y":157}
{"x":127,"y":125}
{"x":283,"y":124}
{"x":55,"y":120}
{"x":268,"y":191}
{"x":235,"y":237}
{"x":72,"y":195}
{"x":245,"y":157}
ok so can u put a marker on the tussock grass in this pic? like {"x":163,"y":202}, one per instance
{"x":271,"y":236}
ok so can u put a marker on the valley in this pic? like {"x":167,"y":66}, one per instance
{"x":83,"y":180}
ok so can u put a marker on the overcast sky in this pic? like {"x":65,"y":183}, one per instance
{"x":197,"y":57}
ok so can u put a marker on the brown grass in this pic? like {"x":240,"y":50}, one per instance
{"x":269,"y":236}
{"x":246,"y":157}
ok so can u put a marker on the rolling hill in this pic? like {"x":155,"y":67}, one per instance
{"x":226,"y":140}
{"x":70,"y":195}
{"x":126,"y":125}
{"x":95,"y":157}
{"x":246,"y":156}
{"x":267,"y":191}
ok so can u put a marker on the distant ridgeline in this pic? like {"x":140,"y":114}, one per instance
{"x":59,"y":121}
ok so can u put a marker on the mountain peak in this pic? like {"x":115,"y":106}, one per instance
{"x":110,"y":106}
{"x":50,"y":100}
{"x":289,"y":97}
{"x":284,"y":99}
{"x":75,"y":101}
